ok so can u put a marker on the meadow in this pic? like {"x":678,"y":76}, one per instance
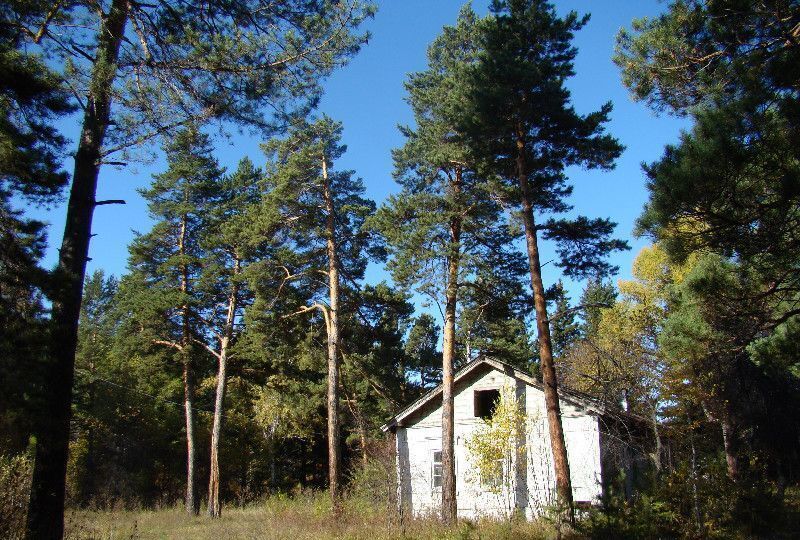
{"x":292,"y":518}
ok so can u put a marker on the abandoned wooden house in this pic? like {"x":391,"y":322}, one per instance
{"x":524,"y":479}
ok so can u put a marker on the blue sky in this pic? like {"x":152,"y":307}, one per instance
{"x":368,"y":97}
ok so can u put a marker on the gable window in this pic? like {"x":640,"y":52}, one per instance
{"x":436,"y":472}
{"x":486,"y":402}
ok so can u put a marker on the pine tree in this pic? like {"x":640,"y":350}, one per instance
{"x":233,"y":245}
{"x":522,"y":122}
{"x":565,"y":328}
{"x":727,"y":192}
{"x":323,"y":212}
{"x":444,"y":223}
{"x":95,"y":340}
{"x":596,"y":296}
{"x":32,"y":98}
{"x":230,"y":62}
{"x":377,"y":318}
{"x":166,"y":267}
{"x":709,"y":53}
{"x":495,"y":312}
{"x":424,"y":361}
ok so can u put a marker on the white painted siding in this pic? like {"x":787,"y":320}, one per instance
{"x":530,"y":487}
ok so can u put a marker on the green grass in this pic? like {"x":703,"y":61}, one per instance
{"x":298,"y":518}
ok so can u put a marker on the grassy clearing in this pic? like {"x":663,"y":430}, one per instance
{"x":297,"y":518}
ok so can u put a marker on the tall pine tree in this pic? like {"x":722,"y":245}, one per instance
{"x":140,"y":70}
{"x":323,"y":212}
{"x":166,"y":267}
{"x":233,"y":247}
{"x":444,"y":226}
{"x":524,"y":126}
{"x":32,"y":97}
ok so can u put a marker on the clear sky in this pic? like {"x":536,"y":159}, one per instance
{"x":368,"y":97}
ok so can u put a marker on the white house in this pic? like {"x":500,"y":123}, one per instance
{"x":527,"y":480}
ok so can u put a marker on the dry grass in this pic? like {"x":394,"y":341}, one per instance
{"x":307,"y":517}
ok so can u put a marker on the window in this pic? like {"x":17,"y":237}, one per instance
{"x":436,"y":473}
{"x":493,"y":478}
{"x":485,"y":402}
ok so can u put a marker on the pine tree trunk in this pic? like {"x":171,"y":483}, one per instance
{"x":449,"y":503}
{"x":214,"y":508}
{"x":192,"y":502}
{"x":557,"y":443}
{"x":334,"y":454}
{"x":46,"y":505}
{"x":729,"y":441}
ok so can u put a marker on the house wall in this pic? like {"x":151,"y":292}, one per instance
{"x":582,"y":437}
{"x":531,"y":479}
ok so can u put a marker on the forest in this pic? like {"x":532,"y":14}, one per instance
{"x":233,"y":380}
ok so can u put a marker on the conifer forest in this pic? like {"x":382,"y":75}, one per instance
{"x":240,"y":367}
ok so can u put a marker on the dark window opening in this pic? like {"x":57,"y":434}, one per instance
{"x":486,"y":402}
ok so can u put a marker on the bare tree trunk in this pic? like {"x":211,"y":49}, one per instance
{"x":557,"y":442}
{"x":46,"y":505}
{"x":192,"y":502}
{"x":362,"y":437}
{"x":729,"y":443}
{"x":657,"y":451}
{"x":214,"y":508}
{"x":695,"y":499}
{"x":449,"y":503}
{"x":334,"y":451}
{"x":273,"y":467}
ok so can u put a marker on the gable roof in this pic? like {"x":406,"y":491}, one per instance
{"x":576,"y":398}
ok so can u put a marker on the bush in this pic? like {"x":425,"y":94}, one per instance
{"x":750,"y":508}
{"x":707,"y":505}
{"x":15,"y":483}
{"x":373,"y":482}
{"x":640,"y":518}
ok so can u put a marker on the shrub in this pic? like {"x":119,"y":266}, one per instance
{"x":15,"y":482}
{"x":640,"y":518}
